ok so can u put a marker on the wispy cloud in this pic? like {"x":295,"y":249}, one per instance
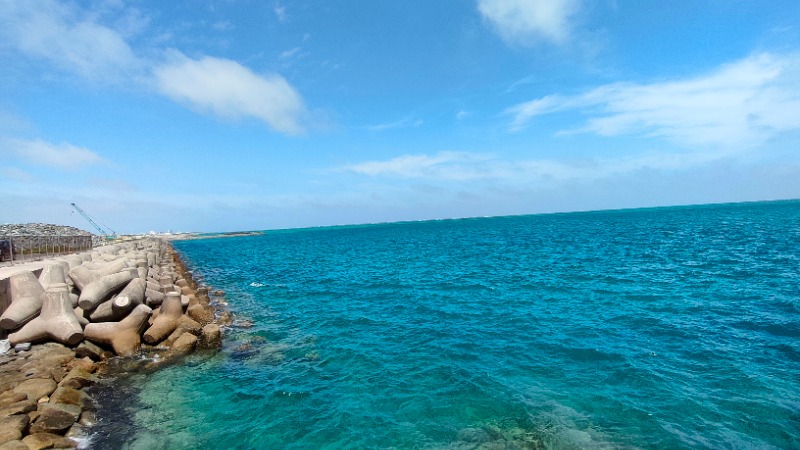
{"x":290,"y":53}
{"x":223,"y":25}
{"x":405,"y":122}
{"x":280,"y":13}
{"x":464,"y":166}
{"x":529,"y":21}
{"x":67,"y":37}
{"x":229,"y":89}
{"x":444,"y":165}
{"x":742,"y":103}
{"x":17,"y":174}
{"x":39,"y":152}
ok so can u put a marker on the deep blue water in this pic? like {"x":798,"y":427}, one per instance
{"x":655,"y":328}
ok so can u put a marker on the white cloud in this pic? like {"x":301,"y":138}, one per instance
{"x":223,"y":25}
{"x":445,"y":165}
{"x":228,"y":89}
{"x":463,"y":166}
{"x":290,"y":53}
{"x":14,"y":173}
{"x":528,"y":21}
{"x":739,"y":104}
{"x":405,"y":122}
{"x":69,"y":38}
{"x":63,"y":156}
{"x":280,"y":13}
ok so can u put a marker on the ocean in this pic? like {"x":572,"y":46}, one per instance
{"x":651,"y":328}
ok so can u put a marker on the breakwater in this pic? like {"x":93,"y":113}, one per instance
{"x":69,"y":322}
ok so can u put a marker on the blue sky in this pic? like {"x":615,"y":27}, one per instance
{"x":243,"y":114}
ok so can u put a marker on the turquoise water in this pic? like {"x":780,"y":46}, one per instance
{"x":657,"y":328}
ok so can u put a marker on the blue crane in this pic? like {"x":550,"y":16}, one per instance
{"x":105,"y":231}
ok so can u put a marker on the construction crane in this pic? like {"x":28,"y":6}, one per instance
{"x":105,"y":231}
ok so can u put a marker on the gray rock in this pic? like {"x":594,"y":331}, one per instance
{"x":22,"y":347}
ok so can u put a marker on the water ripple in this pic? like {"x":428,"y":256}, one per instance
{"x":665,"y":328}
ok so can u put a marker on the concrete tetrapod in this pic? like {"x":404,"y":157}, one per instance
{"x":132,"y":295}
{"x":26,"y":294}
{"x":154,"y":298}
{"x":73,"y":261}
{"x":118,"y":307}
{"x":54,"y":274}
{"x":83,"y":275}
{"x":57,"y":320}
{"x":167,"y":319}
{"x":99,"y":290}
{"x":103,"y":312}
{"x":125,"y":335}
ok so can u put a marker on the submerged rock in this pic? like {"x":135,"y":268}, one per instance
{"x":183,"y":346}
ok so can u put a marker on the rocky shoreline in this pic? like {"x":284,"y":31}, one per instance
{"x":87,"y":314}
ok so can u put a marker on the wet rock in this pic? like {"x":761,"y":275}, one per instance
{"x":78,"y":378}
{"x":68,"y":396}
{"x":84,"y":363}
{"x":90,"y":350}
{"x":55,"y":418}
{"x":202,"y":314}
{"x":12,"y":427}
{"x":210,"y":337}
{"x":87,"y":418}
{"x":77,"y":432}
{"x":225,"y":318}
{"x":244,"y":323}
{"x":184,"y":324}
{"x":183,"y":346}
{"x":36,"y":388}
{"x":39,"y":441}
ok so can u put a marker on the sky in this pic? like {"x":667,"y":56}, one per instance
{"x":231,"y":115}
